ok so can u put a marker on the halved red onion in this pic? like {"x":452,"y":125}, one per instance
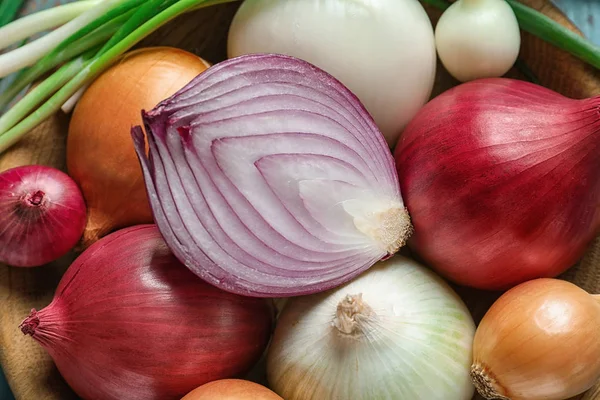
{"x":267,"y":177}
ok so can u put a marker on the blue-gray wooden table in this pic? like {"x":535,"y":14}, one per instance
{"x":584,"y":13}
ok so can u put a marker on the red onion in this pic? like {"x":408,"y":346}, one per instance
{"x":42,"y":215}
{"x":267,"y":177}
{"x":128,"y":321}
{"x":502,"y":180}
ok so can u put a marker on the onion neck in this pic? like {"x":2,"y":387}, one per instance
{"x":30,"y":324}
{"x":352,"y":314}
{"x":486,"y":384}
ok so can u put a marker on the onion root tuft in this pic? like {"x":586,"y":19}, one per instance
{"x":351,"y":313}
{"x":485,"y":383}
{"x":30,"y":324}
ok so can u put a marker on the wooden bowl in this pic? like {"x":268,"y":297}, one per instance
{"x":28,"y":368}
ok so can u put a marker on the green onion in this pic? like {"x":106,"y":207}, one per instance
{"x":115,"y":12}
{"x":112,"y":27}
{"x":30,"y":53}
{"x":136,"y":16}
{"x":9,"y":10}
{"x":143,"y":14}
{"x":554,"y":33}
{"x":42,"y":92}
{"x":40,"y":21}
{"x":12,"y":133}
{"x":62,"y":54}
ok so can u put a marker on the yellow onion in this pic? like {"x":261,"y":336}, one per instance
{"x":231,"y":389}
{"x":100,"y":153}
{"x":540,"y":340}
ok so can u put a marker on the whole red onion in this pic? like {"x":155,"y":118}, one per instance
{"x":128,"y":321}
{"x":42,"y":215}
{"x":502,"y":181}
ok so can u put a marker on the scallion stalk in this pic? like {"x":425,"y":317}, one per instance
{"x":12,"y":133}
{"x":39,"y":21}
{"x":142,"y":14}
{"x":60,"y":55}
{"x":9,"y":10}
{"x":550,"y":31}
{"x":43,"y":91}
{"x":138,"y":16}
{"x":30,"y":53}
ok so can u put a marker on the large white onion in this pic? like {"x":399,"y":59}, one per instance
{"x":398,"y":331}
{"x":382,"y":50}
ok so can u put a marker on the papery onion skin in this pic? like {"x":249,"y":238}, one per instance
{"x":502,"y":180}
{"x":100,"y":154}
{"x":128,"y":321}
{"x":267,"y":177}
{"x":408,"y":336}
{"x":382,"y":50}
{"x":231,"y":389}
{"x":42,"y":215}
{"x":538,"y":341}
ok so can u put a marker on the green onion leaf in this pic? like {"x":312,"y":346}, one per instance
{"x":141,"y":15}
{"x":60,"y":55}
{"x":554,"y":33}
{"x":9,"y":10}
{"x":11,"y":130}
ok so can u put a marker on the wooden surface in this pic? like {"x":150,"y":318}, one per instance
{"x":29,"y":369}
{"x":585,"y":14}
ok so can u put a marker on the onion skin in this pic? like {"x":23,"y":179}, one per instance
{"x":231,"y":389}
{"x":539,"y":341}
{"x":502,"y":181}
{"x":128,"y":321}
{"x":42,"y":215}
{"x":397,"y":331}
{"x":100,"y":154}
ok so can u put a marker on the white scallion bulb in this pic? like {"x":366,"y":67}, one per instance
{"x":478,"y":39}
{"x":398,"y":331}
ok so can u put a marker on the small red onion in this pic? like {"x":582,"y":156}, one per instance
{"x":42,"y":215}
{"x":267,"y":177}
{"x":128,"y":321}
{"x":502,"y":180}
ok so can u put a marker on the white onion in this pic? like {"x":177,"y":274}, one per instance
{"x":398,"y":331}
{"x":382,"y":50}
{"x":478,"y":39}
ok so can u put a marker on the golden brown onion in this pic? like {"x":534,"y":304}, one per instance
{"x":540,"y":340}
{"x":231,"y":389}
{"x":100,"y":154}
